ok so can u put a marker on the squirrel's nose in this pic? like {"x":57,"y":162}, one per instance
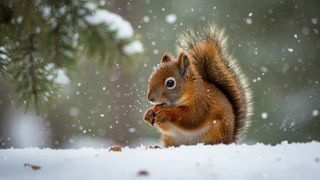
{"x":150,"y":97}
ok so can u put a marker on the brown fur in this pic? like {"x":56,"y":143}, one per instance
{"x":211,"y":101}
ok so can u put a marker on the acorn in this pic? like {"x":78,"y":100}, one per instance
{"x":143,"y":173}
{"x":156,"y":108}
{"x":33,"y":167}
{"x":154,"y":147}
{"x":115,"y":148}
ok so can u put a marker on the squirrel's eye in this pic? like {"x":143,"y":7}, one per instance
{"x":170,"y":83}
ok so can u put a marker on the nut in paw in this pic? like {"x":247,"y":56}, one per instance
{"x":149,"y":117}
{"x":162,"y":116}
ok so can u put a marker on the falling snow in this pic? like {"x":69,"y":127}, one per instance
{"x":264,"y":115}
{"x":146,"y":19}
{"x":305,"y":31}
{"x":171,"y":18}
{"x":249,"y":21}
{"x":74,"y":111}
{"x":314,"y":20}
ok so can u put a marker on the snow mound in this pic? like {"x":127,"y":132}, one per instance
{"x":283,"y":161}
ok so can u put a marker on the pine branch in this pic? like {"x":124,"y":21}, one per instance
{"x":57,"y":47}
{"x":3,"y":62}
{"x":32,"y":67}
{"x":52,"y":35}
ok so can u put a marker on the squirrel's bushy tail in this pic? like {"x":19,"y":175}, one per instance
{"x":209,"y":51}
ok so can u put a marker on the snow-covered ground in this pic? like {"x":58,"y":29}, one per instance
{"x":283,"y":161}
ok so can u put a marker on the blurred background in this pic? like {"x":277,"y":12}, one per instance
{"x":277,"y":44}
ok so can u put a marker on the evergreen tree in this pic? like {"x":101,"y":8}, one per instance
{"x":41,"y":40}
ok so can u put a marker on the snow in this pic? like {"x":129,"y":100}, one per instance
{"x":113,"y":21}
{"x":62,"y":77}
{"x":133,"y":48}
{"x":264,"y":115}
{"x":59,"y":75}
{"x":74,"y":111}
{"x":155,"y":51}
{"x":264,"y":69}
{"x":122,"y":28}
{"x":283,"y":161}
{"x":3,"y":49}
{"x":314,"y":21}
{"x":249,"y":21}
{"x":25,"y":129}
{"x":305,"y":31}
{"x":171,"y":18}
{"x":19,"y":19}
{"x":91,"y":6}
{"x":132,"y":130}
{"x":315,"y":112}
{"x":146,"y":19}
{"x":3,"y":56}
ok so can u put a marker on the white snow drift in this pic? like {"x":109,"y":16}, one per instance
{"x":284,"y":161}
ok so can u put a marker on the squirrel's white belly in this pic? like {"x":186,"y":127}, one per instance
{"x":187,"y":137}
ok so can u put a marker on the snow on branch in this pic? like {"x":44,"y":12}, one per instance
{"x":115,"y":22}
{"x":122,"y":28}
{"x":133,"y":47}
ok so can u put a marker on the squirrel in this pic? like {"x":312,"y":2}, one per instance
{"x":202,"y":96}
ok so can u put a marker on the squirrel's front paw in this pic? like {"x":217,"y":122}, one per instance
{"x":162,"y":116}
{"x":149,"y":117}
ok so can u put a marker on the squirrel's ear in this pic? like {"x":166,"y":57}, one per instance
{"x":166,"y":58}
{"x":184,"y":64}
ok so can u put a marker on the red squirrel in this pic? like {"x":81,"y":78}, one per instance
{"x":202,"y":96}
